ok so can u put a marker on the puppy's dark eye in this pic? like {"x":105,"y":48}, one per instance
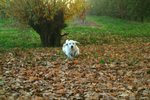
{"x":66,"y":44}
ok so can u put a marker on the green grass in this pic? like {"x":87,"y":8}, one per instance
{"x":13,"y":36}
{"x":114,"y":26}
{"x":110,"y":30}
{"x":105,"y":30}
{"x":123,"y":27}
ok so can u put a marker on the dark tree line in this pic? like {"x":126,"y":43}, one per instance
{"x":138,"y":10}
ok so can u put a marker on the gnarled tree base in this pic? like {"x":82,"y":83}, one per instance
{"x":50,"y":30}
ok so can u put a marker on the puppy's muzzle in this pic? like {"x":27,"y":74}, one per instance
{"x":71,"y":47}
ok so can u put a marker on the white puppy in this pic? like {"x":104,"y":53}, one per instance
{"x":70,"y":48}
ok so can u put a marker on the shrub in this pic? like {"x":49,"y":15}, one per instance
{"x":47,"y":17}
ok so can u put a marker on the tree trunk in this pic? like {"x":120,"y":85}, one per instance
{"x":50,"y":39}
{"x":50,"y":30}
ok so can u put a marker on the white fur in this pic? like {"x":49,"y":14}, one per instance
{"x":70,"y":48}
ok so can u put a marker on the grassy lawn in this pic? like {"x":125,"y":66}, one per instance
{"x":96,"y":30}
{"x":13,"y":36}
{"x":123,"y":27}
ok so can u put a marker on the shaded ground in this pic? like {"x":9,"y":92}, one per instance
{"x":100,"y":72}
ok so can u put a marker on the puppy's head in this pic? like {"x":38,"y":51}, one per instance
{"x":71,"y":44}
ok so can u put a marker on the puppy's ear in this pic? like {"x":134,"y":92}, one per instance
{"x":67,"y":40}
{"x":77,"y":42}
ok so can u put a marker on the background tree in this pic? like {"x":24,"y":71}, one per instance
{"x":138,"y":10}
{"x":46,"y":17}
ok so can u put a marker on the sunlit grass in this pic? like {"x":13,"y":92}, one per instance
{"x":122,"y":27}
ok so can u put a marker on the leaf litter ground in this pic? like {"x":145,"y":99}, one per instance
{"x":107,"y":72}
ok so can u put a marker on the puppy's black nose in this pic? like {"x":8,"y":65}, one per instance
{"x":71,"y":47}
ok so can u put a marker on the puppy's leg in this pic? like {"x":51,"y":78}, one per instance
{"x":76,"y":53}
{"x":69,"y":60}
